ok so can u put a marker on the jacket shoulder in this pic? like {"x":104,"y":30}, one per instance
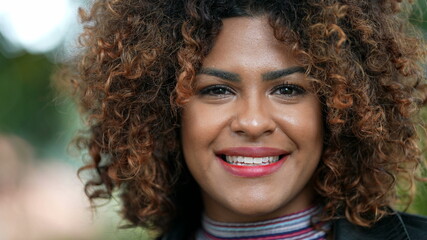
{"x":396,"y":226}
{"x":416,"y":225}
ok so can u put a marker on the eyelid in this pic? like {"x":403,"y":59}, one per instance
{"x":205,"y":90}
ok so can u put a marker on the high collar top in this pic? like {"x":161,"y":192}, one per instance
{"x":299,"y":225}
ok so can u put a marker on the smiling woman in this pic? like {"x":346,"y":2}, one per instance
{"x":252,"y":125}
{"x":253,"y":119}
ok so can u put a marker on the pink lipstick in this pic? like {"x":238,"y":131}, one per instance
{"x":251,"y":161}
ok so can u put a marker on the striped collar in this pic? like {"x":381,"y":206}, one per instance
{"x":294,"y":226}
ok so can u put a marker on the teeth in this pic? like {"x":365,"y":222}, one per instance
{"x":239,"y":160}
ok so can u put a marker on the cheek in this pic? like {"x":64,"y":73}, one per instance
{"x":313,"y":135}
{"x":199,"y":124}
{"x":200,"y":127}
{"x":303,"y":124}
{"x":311,"y":125}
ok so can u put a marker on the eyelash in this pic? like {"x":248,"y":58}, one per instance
{"x":296,"y":90}
{"x":210,"y":90}
{"x":225,"y":90}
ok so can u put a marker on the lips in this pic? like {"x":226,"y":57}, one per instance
{"x":250,"y":161}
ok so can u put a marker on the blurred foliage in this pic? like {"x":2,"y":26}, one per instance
{"x":419,"y":204}
{"x":28,"y":106}
{"x":419,"y":15}
{"x":24,"y":94}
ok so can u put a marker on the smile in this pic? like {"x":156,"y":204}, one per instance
{"x":250,"y":161}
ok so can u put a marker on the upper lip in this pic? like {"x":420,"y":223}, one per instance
{"x":252,"y":151}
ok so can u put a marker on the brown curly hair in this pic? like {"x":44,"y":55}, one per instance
{"x":138,"y":65}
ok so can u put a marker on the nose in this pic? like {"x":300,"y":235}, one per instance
{"x":253,"y":119}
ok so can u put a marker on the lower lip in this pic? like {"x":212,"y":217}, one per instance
{"x":252,"y":171}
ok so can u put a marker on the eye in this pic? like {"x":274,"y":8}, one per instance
{"x":216,"y":91}
{"x":289,"y":90}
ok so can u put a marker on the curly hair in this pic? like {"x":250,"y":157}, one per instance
{"x":138,"y":66}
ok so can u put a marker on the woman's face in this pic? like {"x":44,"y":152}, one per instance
{"x":252,"y":134}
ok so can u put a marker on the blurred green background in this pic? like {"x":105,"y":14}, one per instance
{"x":36,"y":125}
{"x":41,"y":197}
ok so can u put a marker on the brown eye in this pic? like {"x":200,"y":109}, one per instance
{"x":288,"y":90}
{"x":216,"y":90}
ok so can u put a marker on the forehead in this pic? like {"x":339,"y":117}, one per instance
{"x":248,"y":41}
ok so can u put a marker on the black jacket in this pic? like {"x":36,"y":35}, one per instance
{"x":398,"y":226}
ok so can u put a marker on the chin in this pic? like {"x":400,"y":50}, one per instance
{"x":256,"y":210}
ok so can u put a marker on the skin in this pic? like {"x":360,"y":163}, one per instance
{"x":240,"y":102}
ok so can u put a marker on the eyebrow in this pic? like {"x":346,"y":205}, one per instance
{"x":234,"y":77}
{"x":268,"y":76}
{"x":282,"y":73}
